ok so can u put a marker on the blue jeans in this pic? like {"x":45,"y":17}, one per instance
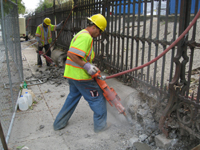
{"x":93,"y":94}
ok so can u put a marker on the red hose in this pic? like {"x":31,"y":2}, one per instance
{"x":163,"y":53}
{"x":28,"y":22}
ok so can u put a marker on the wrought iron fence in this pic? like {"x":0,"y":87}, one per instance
{"x":11,"y":68}
{"x":137,"y":32}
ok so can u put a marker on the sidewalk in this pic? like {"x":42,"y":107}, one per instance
{"x":33,"y":129}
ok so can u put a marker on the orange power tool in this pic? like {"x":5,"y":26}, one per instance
{"x":109,"y":93}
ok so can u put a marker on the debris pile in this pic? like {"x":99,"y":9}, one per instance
{"x":53,"y":75}
{"x":146,"y":133}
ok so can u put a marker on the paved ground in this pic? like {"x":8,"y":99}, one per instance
{"x":33,"y":128}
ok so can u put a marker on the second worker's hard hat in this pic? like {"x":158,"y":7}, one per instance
{"x":47,"y":21}
{"x":99,"y":20}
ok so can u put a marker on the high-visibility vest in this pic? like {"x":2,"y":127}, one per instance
{"x":40,"y":33}
{"x":82,"y":46}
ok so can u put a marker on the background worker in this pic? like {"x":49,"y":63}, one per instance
{"x":44,"y":38}
{"x":78,"y":70}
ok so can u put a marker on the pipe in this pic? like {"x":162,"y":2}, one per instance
{"x":12,"y":120}
{"x":29,"y":46}
{"x":163,"y":53}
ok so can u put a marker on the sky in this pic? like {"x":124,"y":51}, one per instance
{"x":31,"y":4}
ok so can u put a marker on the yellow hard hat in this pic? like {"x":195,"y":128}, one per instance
{"x":47,"y":21}
{"x":99,"y":20}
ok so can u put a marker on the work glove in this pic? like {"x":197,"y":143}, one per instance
{"x":91,"y":69}
{"x":62,"y":22}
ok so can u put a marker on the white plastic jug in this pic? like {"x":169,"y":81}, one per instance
{"x":23,"y":103}
{"x":29,"y":98}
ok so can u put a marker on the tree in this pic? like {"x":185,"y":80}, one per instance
{"x":43,"y":5}
{"x":21,"y":6}
{"x":49,"y":3}
{"x":7,"y":6}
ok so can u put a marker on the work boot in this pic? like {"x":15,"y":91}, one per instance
{"x":105,"y":128}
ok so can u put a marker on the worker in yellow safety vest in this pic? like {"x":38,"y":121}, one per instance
{"x":78,"y":71}
{"x":44,"y":38}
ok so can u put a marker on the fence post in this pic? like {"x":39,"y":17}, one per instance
{"x":3,"y":141}
{"x":177,"y":86}
{"x":182,"y":47}
{"x":103,"y":40}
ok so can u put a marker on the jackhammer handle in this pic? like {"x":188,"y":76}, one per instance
{"x":96,"y":75}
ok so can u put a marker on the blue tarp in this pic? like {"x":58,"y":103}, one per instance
{"x":171,"y":7}
{"x":173,"y":3}
{"x":117,"y":8}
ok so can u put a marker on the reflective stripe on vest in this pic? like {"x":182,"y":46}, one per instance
{"x":77,"y":52}
{"x":70,"y":62}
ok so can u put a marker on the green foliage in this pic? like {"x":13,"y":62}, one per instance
{"x":21,"y":7}
{"x":43,"y":5}
{"x":20,"y":147}
{"x":8,"y":6}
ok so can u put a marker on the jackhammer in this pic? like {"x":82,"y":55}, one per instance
{"x":110,"y":95}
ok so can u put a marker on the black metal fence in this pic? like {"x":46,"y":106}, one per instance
{"x":137,"y":32}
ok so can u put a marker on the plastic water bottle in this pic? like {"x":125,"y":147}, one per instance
{"x":23,"y":103}
{"x":25,"y":85}
{"x":29,"y":98}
